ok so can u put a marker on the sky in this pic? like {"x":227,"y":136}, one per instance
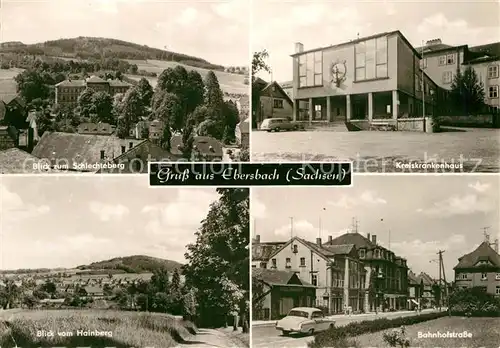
{"x":423,"y":214}
{"x":277,"y":25}
{"x":216,"y":31}
{"x":55,"y":221}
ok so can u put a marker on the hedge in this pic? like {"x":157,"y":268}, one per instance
{"x":331,"y":337}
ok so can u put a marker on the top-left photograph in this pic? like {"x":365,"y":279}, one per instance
{"x":106,"y":86}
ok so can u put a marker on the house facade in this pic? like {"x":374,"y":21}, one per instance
{"x":262,"y":250}
{"x":242,"y":133}
{"x":480,"y":268}
{"x":363,"y":81}
{"x":67,"y":91}
{"x":273,"y":102}
{"x":390,"y":272}
{"x":335,"y":271}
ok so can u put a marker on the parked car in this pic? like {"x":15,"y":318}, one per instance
{"x":304,"y":320}
{"x":279,"y":124}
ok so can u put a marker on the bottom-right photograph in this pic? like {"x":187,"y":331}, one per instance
{"x":392,"y":261}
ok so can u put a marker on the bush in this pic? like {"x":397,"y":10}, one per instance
{"x":474,"y":302}
{"x":330,"y":337}
{"x":397,"y":338}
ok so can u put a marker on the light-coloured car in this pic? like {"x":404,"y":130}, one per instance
{"x":279,"y":124}
{"x":304,"y":320}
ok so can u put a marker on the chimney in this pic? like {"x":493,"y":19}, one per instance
{"x":257,"y":239}
{"x":433,"y":42}
{"x":368,"y":236}
{"x":299,"y":47}
{"x":330,"y":239}
{"x":318,"y":241}
{"x":374,"y":239}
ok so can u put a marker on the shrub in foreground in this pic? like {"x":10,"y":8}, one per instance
{"x":474,"y":302}
{"x":333,"y":336}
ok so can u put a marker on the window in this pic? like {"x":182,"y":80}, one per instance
{"x":263,"y":265}
{"x":418,"y":84}
{"x":362,"y":254}
{"x":314,"y":279}
{"x":311,"y":69}
{"x":450,"y":59}
{"x":302,"y":262}
{"x":423,"y":63}
{"x":493,"y":71}
{"x":317,"y":112}
{"x":493,"y":92}
{"x":278,"y":103}
{"x":484,"y":276}
{"x":273,"y":263}
{"x":371,"y":59}
{"x":288,"y":263}
{"x":497,"y":291}
{"x":254,"y":266}
{"x":497,"y":276}
{"x":447,"y":77}
{"x":442,"y":60}
{"x":295,"y":249}
{"x":377,"y":253}
{"x":102,"y":154}
{"x":130,"y":145}
{"x":315,"y":315}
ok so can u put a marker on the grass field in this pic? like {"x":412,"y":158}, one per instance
{"x":231,"y":83}
{"x":7,"y":84}
{"x":485,"y":333}
{"x":128,"y":329}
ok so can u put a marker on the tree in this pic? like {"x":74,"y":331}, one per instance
{"x":214,"y":97}
{"x":29,"y":301}
{"x":30,"y":85}
{"x":85,"y":102}
{"x":187,"y":142}
{"x":231,"y":119}
{"x":170,"y":111}
{"x":218,"y":260}
{"x":166,"y":138}
{"x":145,"y":91}
{"x":167,"y":81}
{"x":103,"y":107}
{"x":194,"y":91}
{"x":44,"y":122}
{"x":372,"y":290}
{"x":131,"y":111}
{"x":467,"y":92}
{"x":177,"y":305}
{"x":258,"y":64}
{"x":122,"y":128}
{"x":8,"y":294}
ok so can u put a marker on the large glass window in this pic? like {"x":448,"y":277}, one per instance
{"x":311,"y":69}
{"x":371,"y":59}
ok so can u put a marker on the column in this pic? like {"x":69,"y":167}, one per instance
{"x":395,"y":105}
{"x":295,"y":109}
{"x":311,"y":110}
{"x":328,"y":109}
{"x":370,"y":106}
{"x":346,"y":284}
{"x":348,"y":107}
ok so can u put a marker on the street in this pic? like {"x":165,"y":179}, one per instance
{"x":268,"y":336}
{"x":477,"y":149}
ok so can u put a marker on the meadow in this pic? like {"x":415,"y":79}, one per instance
{"x":19,"y":328}
{"x":7,"y":84}
{"x":230,"y":83}
{"x":485,"y":333}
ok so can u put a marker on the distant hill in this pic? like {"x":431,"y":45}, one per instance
{"x":133,"y":264}
{"x":99,"y":48}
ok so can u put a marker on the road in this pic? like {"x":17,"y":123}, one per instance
{"x":477,"y":149}
{"x":210,"y":338}
{"x":268,"y":336}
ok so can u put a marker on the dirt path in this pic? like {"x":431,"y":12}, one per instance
{"x":209,"y":338}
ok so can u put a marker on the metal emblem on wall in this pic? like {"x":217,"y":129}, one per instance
{"x":338,"y":71}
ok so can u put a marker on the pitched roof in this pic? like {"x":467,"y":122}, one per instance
{"x":17,"y":161}
{"x":93,"y":290}
{"x":118,"y":83}
{"x":325,"y":251}
{"x":355,"y":238}
{"x":245,"y":125}
{"x":9,"y":98}
{"x":207,"y":146}
{"x":280,"y":89}
{"x":95,"y":128}
{"x":276,"y":277}
{"x":71,"y":83}
{"x":484,"y":252}
{"x":262,"y":251}
{"x":95,"y":79}
{"x":426,"y":279}
{"x":492,"y":49}
{"x":412,"y":278}
{"x":79,"y":148}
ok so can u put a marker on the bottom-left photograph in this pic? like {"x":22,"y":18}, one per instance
{"x":111,"y":262}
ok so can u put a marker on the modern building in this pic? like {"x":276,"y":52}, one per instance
{"x":275,"y":293}
{"x":367,"y":82}
{"x":480,"y":268}
{"x":67,"y":91}
{"x":273,"y":102}
{"x":441,"y":62}
{"x":335,"y":271}
{"x":390,"y":272}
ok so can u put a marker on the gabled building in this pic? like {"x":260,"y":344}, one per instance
{"x":335,"y":270}
{"x":261,"y":251}
{"x":390,"y":272}
{"x":242,"y":133}
{"x":480,"y":268}
{"x":205,"y":148}
{"x":275,"y":293}
{"x":273,"y":102}
{"x":368,"y":81}
{"x":415,"y":290}
{"x":96,"y":128}
{"x":67,"y":91}
{"x":428,"y":290}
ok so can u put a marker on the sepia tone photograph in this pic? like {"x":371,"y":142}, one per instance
{"x":394,"y":86}
{"x":109,"y":262}
{"x":106,"y":86}
{"x":368,"y":266}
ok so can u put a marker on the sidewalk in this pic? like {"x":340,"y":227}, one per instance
{"x":360,"y":316}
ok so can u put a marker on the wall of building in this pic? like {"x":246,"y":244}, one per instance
{"x":268,"y":110}
{"x":349,"y":86}
{"x":436,"y":71}
{"x":408,"y":64}
{"x":482,"y":74}
{"x":476,"y":279}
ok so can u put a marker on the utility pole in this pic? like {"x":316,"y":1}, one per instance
{"x":441,"y":272}
{"x":423,"y":84}
{"x":354,"y":225}
{"x":486,"y":234}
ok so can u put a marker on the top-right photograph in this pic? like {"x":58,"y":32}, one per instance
{"x":391,"y":86}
